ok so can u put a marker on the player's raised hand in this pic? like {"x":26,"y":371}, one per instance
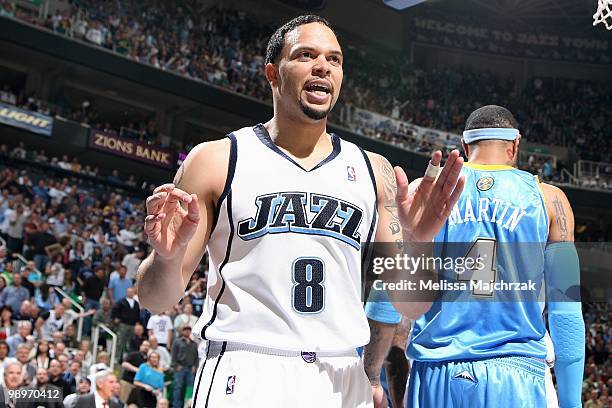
{"x":168,"y":225}
{"x":423,"y":213}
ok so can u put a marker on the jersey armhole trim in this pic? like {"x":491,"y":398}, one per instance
{"x":231,"y":170}
{"x":366,"y":254}
{"x":228,"y":251}
{"x":543,"y":198}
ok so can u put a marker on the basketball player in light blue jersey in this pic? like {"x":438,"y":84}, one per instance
{"x":489,"y":350}
{"x":284,"y":209}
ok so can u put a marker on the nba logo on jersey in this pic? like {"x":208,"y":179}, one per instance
{"x":350,"y":172}
{"x":231,"y":382}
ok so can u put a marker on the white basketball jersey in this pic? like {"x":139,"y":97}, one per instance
{"x":286,"y":248}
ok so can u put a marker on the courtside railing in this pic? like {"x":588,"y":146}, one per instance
{"x":96,"y":337}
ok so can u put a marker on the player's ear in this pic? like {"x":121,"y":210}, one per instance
{"x":465,"y":148}
{"x":272,"y":74}
{"x":516,"y":144}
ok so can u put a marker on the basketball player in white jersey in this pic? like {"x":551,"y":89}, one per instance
{"x":284,"y":208}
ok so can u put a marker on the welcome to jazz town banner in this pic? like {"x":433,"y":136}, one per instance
{"x":131,"y":149}
{"x":32,"y":121}
{"x":509,"y":37}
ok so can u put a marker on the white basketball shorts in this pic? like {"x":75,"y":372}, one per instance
{"x":238,"y":375}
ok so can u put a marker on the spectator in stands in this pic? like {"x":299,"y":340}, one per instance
{"x":41,"y":357}
{"x":137,"y":337}
{"x":28,"y":311}
{"x":102,"y":363}
{"x":66,"y":374}
{"x":160,"y":326}
{"x":103,"y":315}
{"x":93,"y":288}
{"x":197,"y":295}
{"x":24,"y":329}
{"x":83,"y":389}
{"x":94,"y":34}
{"x":50,"y":322}
{"x":132,"y":262}
{"x":16,"y":222}
{"x":165,"y":360}
{"x":56,"y":377}
{"x":55,"y":271}
{"x":126,"y":313}
{"x":150,"y":380}
{"x":12,"y":382}
{"x":118,"y":286}
{"x":6,"y":95}
{"x":184,"y":362}
{"x":4,"y":356}
{"x":7,"y":326}
{"x":39,"y":241}
{"x":594,"y":401}
{"x":3,"y":254}
{"x":185,"y":318}
{"x":114,"y":177}
{"x":32,"y":278}
{"x":42,"y":384}
{"x":130,"y":365}
{"x":70,"y":337}
{"x":45,"y":297}
{"x":75,"y":370}
{"x":28,"y":368}
{"x":14,"y":295}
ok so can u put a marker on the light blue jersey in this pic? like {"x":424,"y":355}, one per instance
{"x":499,"y":205}
{"x":475,"y":348}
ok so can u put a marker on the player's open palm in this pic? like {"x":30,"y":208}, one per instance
{"x":168,"y":225}
{"x":423,"y":213}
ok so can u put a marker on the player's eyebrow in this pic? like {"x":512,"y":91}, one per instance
{"x":309,"y":48}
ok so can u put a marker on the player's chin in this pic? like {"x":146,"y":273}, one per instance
{"x":315,"y":111}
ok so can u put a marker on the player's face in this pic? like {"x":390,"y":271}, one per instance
{"x":310,"y":71}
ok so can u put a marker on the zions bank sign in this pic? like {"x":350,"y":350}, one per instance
{"x":131,"y":149}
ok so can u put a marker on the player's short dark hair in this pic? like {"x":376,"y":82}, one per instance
{"x":277,"y":40}
{"x":491,"y":116}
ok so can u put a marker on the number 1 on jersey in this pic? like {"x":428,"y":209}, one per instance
{"x":308,"y":293}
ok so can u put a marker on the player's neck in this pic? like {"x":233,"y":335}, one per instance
{"x":489,"y":158}
{"x":298,"y":139}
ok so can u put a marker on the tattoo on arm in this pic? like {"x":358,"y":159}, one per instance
{"x":561,"y":219}
{"x":389,"y":192}
{"x":372,"y":363}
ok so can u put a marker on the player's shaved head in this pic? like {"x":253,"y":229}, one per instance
{"x":492,"y":151}
{"x":277,"y":40}
{"x":491,"y":116}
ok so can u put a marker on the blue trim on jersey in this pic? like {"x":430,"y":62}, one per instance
{"x":227,"y":255}
{"x":231,"y":170}
{"x":264,"y":136}
{"x":212,"y":380}
{"x":366,"y":252}
{"x":197,"y":387}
